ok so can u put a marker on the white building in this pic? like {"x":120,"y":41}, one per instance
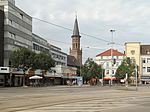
{"x":107,"y":58}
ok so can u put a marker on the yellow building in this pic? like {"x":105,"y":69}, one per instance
{"x":132,"y":50}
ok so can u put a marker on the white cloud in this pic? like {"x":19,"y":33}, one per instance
{"x":130,"y":19}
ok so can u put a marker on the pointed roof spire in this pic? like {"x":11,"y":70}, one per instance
{"x":76,"y":29}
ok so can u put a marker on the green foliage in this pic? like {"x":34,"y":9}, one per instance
{"x":125,"y":67}
{"x":43,"y":61}
{"x":22,"y":56}
{"x":25,"y":57}
{"x":91,"y":69}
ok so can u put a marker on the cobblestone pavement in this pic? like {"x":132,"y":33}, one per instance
{"x":75,"y":99}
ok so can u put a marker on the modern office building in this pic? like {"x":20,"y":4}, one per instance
{"x":39,"y":44}
{"x":58,"y":56}
{"x":17,"y":30}
{"x":1,"y":36}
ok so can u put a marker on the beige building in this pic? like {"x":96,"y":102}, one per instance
{"x":132,"y":50}
{"x":141,"y":54}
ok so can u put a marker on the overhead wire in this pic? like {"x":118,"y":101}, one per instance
{"x":60,"y":26}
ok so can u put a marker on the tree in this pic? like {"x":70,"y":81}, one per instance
{"x":43,"y":61}
{"x":91,"y":69}
{"x":24,"y":57}
{"x":125,"y":67}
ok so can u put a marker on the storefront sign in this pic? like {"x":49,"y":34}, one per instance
{"x":4,"y":70}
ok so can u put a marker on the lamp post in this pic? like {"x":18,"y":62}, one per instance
{"x":24,"y":77}
{"x":11,"y":70}
{"x":134,"y":62}
{"x":24,"y":73}
{"x":136,"y":76}
{"x":102,"y":78}
{"x":54,"y":76}
{"x":126,"y":79}
{"x":112,"y":31}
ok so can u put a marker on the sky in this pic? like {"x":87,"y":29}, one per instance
{"x":129,"y":18}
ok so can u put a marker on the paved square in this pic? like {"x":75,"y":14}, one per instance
{"x":75,"y":99}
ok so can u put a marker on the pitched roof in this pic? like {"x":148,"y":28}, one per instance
{"x":76,"y":28}
{"x":71,"y":61}
{"x":108,"y":53}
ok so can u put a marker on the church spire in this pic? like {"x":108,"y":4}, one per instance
{"x":76,"y":29}
{"x":76,"y":51}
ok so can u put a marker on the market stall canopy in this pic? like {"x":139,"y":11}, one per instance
{"x":35,"y":77}
{"x":109,"y":78}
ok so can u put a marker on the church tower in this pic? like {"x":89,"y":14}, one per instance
{"x":75,"y":50}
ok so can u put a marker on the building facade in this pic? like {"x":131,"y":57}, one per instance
{"x":1,"y":36}
{"x":145,"y":63}
{"x":16,"y":32}
{"x":39,"y":44}
{"x":17,"y":29}
{"x":58,"y":56}
{"x":132,"y":50}
{"x":106,"y":59}
{"x":141,"y":54}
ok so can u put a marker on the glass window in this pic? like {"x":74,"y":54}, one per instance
{"x":132,"y":52}
{"x":107,"y":72}
{"x":107,"y":64}
{"x":148,"y":69}
{"x":148,"y":60}
{"x":144,"y":69}
{"x":117,"y":63}
{"x":113,"y":72}
{"x":143,"y":60}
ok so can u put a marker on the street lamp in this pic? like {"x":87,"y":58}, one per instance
{"x":24,"y":76}
{"x":112,"y":31}
{"x":54,"y":75}
{"x":11,"y":70}
{"x":134,"y":62}
{"x":24,"y":70}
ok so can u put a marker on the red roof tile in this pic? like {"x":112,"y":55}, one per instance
{"x":108,"y":53}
